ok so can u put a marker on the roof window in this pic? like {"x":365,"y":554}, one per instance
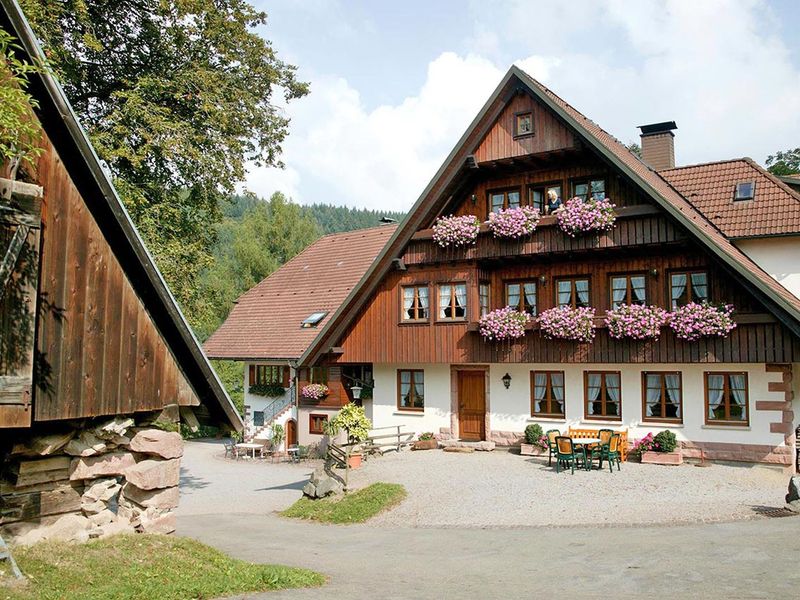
{"x":745,"y":190}
{"x":313,"y":319}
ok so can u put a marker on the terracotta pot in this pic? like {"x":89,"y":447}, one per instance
{"x":354,"y":461}
{"x":531,"y":450}
{"x":663,"y":458}
{"x":425,"y":445}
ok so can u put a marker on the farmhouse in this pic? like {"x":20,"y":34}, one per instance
{"x":97,"y":364}
{"x":677,"y":243}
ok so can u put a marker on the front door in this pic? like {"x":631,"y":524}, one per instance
{"x":472,"y":405}
{"x":291,"y":433}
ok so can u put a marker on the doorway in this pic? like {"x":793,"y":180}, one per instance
{"x":472,"y":405}
{"x":291,"y":433}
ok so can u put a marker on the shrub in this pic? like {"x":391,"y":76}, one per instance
{"x":636,"y":322}
{"x":694,"y":321}
{"x":270,"y":390}
{"x":665,"y":441}
{"x":428,"y":435}
{"x":577,"y":217}
{"x":513,"y":222}
{"x":567,"y":323}
{"x":278,"y":435}
{"x":503,"y":324}
{"x":353,"y":420}
{"x":456,"y":231}
{"x":314,"y":391}
{"x":533,"y":433}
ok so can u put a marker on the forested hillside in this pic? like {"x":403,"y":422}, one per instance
{"x":334,"y":219}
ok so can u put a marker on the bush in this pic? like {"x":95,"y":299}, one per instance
{"x":665,"y":441}
{"x":428,"y":435}
{"x":533,"y":433}
{"x":353,"y":420}
{"x":270,"y":390}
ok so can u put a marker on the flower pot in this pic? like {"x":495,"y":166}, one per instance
{"x":354,"y":461}
{"x":531,"y":450}
{"x":425,"y":445}
{"x":663,"y":458}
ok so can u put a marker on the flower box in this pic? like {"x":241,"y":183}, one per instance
{"x":531,"y":450}
{"x":503,"y":324}
{"x":694,"y":321}
{"x":513,"y":223}
{"x":579,"y":216}
{"x":566,"y":323}
{"x":662,"y":458}
{"x":425,"y":445}
{"x":636,"y":322}
{"x":456,"y":231}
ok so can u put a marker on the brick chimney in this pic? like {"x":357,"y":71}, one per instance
{"x":658,"y":145}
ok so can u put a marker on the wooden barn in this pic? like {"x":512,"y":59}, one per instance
{"x":97,"y":363}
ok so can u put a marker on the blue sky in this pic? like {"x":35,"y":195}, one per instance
{"x":393,"y":85}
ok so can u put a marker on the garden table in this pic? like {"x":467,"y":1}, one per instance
{"x":252,"y":447}
{"x":578,"y":441}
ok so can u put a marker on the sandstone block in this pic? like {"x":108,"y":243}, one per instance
{"x":459,"y":449}
{"x":93,"y":467}
{"x":154,"y":474}
{"x":166,"y":444}
{"x":156,"y":522}
{"x":116,"y":426}
{"x":104,"y":517}
{"x":86,"y":444}
{"x":69,"y":528}
{"x":116,"y":527}
{"x":102,"y":489}
{"x":170,"y":414}
{"x":159,"y":498}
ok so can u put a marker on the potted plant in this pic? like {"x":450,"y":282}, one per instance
{"x":314,"y":391}
{"x":661,"y":449}
{"x":456,"y":231}
{"x":636,"y":322}
{"x":694,"y":321}
{"x":513,"y":223}
{"x":578,"y":217}
{"x":426,"y":441}
{"x":354,"y":422}
{"x":503,"y":324}
{"x":535,"y":443}
{"x":567,"y":323}
{"x":278,"y":435}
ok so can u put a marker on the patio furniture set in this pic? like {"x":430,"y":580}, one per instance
{"x":264,"y":450}
{"x":582,"y":452}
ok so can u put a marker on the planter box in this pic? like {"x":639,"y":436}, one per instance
{"x":425,"y":445}
{"x":354,"y":461}
{"x":663,"y":458}
{"x":532,"y":450}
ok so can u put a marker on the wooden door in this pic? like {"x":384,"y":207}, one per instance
{"x":472,"y":405}
{"x":291,"y":432}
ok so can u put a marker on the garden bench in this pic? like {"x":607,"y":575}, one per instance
{"x":400,"y":438}
{"x":593,"y":433}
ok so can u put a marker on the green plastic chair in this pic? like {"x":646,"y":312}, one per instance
{"x":596,"y":451}
{"x":566,"y":454}
{"x":611,"y":453}
{"x":552,"y":434}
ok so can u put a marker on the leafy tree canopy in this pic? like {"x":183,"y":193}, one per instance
{"x":784,"y":163}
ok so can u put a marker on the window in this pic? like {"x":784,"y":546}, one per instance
{"x":602,"y":395}
{"x":628,"y":289}
{"x":745,"y":190}
{"x":726,"y":398}
{"x":410,"y":389}
{"x":688,"y":287}
{"x":258,"y":418}
{"x":537,"y":195}
{"x":572,"y":292}
{"x":415,"y":303}
{"x":591,"y":188}
{"x":547,"y":393}
{"x":268,"y":375}
{"x":452,"y":302}
{"x":502,"y":199}
{"x":316,"y":424}
{"x":484,"y":298}
{"x":523,"y":124}
{"x":313,"y":319}
{"x":661,"y":396}
{"x":522,"y":296}
{"x":318,"y":375}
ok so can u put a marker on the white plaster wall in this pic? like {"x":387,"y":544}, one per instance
{"x":779,"y":256}
{"x":304,"y":437}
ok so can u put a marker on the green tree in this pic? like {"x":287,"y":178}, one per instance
{"x":784,"y":163}
{"x":177,"y":96}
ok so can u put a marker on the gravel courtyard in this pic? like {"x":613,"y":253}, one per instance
{"x":501,"y":489}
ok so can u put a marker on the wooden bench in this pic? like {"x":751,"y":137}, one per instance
{"x":400,"y":438}
{"x":593,"y":433}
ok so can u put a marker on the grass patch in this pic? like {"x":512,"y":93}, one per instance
{"x":143,"y":567}
{"x":352,"y":508}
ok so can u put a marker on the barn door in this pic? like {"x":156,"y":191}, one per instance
{"x":20,"y":223}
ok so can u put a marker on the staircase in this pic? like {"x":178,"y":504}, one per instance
{"x":272,"y":412}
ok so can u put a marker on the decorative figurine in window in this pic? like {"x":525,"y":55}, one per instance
{"x":553,"y":202}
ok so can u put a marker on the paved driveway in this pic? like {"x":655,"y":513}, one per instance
{"x":749,"y":559}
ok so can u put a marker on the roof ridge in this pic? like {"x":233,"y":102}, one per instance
{"x":352,"y":231}
{"x":708,"y":164}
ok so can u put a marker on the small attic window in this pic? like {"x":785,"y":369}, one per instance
{"x":313,"y":319}
{"x":523,"y":124}
{"x":745,"y":190}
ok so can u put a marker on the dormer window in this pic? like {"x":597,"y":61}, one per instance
{"x":523,"y":124}
{"x":745,"y":190}
{"x":313,"y":319}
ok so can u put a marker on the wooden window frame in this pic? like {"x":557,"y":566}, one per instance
{"x":452,"y":302}
{"x":505,"y":191}
{"x":521,"y":283}
{"x":548,"y":395}
{"x":572,"y":279}
{"x":544,"y":186}
{"x":401,"y":408}
{"x":416,"y":287}
{"x":517,"y":115}
{"x":256,"y":371}
{"x":663,"y":374}
{"x":325,"y":374}
{"x":602,"y":417}
{"x":573,"y":183}
{"x":628,"y":287}
{"x":311,"y":418}
{"x":726,"y":399}
{"x":488,"y":307}
{"x":688,"y":273}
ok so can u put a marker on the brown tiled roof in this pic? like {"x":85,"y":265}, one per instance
{"x":265,"y":322}
{"x":775,"y":210}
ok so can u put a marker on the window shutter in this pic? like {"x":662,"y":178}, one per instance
{"x":252,"y":374}
{"x":285,"y":371}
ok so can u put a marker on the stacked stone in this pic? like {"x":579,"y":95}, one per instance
{"x":320,"y":484}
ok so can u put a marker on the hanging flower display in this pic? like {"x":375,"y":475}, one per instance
{"x":456,"y":231}
{"x":567,"y":323}
{"x":513,"y":222}
{"x":503,"y":324}
{"x":694,"y":321}
{"x":636,"y":321}
{"x":314,"y":391}
{"x":578,"y":216}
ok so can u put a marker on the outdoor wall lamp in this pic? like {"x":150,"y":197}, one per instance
{"x":543,"y":280}
{"x":654,"y":272}
{"x":507,"y":380}
{"x":474,"y":198}
{"x":356,"y":391}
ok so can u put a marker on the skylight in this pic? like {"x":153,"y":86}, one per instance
{"x":745,"y":190}
{"x":313,"y":319}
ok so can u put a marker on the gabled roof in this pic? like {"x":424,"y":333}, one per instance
{"x":265,"y":323}
{"x":777,"y":298}
{"x":74,"y":149}
{"x":775,"y":209}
